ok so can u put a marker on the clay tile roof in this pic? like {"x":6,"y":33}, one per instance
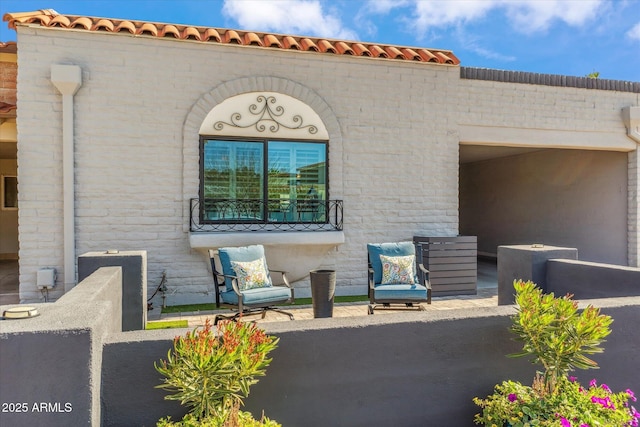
{"x":252,"y":39}
{"x":190,"y":33}
{"x":231,"y":36}
{"x":308,"y":44}
{"x":104,"y":24}
{"x":377,"y":51}
{"x":361,"y":49}
{"x":125,"y":25}
{"x":211,"y":34}
{"x":169,"y":30}
{"x":410,"y":54}
{"x":394,"y":52}
{"x":344,"y":49}
{"x":326,"y":46}
{"x":82,"y":22}
{"x":8,"y":47}
{"x":271,"y":41}
{"x":49,"y":18}
{"x":148,"y":28}
{"x":290,"y":43}
{"x":427,"y":56}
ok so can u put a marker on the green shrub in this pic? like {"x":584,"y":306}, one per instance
{"x":559,"y":337}
{"x":211,"y":373}
{"x":245,"y":419}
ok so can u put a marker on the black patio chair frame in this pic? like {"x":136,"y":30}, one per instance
{"x":243,"y":309}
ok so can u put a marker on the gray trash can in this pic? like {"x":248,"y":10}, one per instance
{"x":323,"y":287}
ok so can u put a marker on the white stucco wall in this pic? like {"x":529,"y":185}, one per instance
{"x":394,"y":134}
{"x":394,"y":130}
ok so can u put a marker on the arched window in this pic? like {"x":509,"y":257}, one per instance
{"x":264,"y":161}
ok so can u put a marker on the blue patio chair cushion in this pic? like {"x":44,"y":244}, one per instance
{"x":388,"y":249}
{"x":273,"y":294}
{"x":242,"y":254}
{"x":400,"y":292}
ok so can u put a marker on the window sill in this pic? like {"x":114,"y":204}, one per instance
{"x":268,"y":238}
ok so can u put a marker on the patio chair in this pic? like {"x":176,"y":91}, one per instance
{"x":243,"y":283}
{"x":397,"y":276}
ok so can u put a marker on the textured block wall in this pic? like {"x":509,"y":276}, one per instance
{"x":535,"y":107}
{"x":396,"y":166}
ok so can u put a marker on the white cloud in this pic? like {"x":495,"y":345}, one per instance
{"x":532,"y":16}
{"x":439,"y":14}
{"x":526,"y":16}
{"x":302,"y":17}
{"x":383,"y":6}
{"x":634,"y":33}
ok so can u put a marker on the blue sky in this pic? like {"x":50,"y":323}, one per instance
{"x":568,"y":37}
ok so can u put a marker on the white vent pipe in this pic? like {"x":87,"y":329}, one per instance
{"x":68,"y":79}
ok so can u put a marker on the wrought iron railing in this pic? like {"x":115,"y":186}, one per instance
{"x":265,"y":215}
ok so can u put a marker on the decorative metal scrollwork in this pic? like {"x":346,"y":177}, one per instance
{"x":227,"y":215}
{"x":266,"y":114}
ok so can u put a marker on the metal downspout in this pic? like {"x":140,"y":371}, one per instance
{"x":68,"y":79}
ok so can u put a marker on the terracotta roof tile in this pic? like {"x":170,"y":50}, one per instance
{"x":377,"y":51}
{"x":427,"y":56}
{"x":290,"y":43}
{"x":8,"y":47}
{"x":308,"y":44}
{"x":410,"y":54}
{"x":52,"y":19}
{"x":169,"y":30}
{"x":326,"y":46}
{"x":271,"y":41}
{"x":211,"y":34}
{"x":190,"y":33}
{"x":361,"y":49}
{"x":344,"y":48}
{"x":394,"y":52}
{"x":104,"y":24}
{"x":231,"y":36}
{"x":252,"y":39}
{"x":147,"y":28}
{"x":122,"y":26}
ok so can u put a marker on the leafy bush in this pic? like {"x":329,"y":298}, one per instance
{"x":558,"y":337}
{"x":245,"y":419}
{"x":211,"y":373}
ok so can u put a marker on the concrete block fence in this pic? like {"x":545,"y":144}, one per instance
{"x":408,"y":369}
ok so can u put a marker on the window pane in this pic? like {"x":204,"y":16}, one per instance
{"x":233,"y":171}
{"x":296,"y":181}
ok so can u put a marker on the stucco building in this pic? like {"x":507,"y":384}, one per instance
{"x":145,"y":136}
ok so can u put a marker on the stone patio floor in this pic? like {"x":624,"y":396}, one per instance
{"x":487,"y":296}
